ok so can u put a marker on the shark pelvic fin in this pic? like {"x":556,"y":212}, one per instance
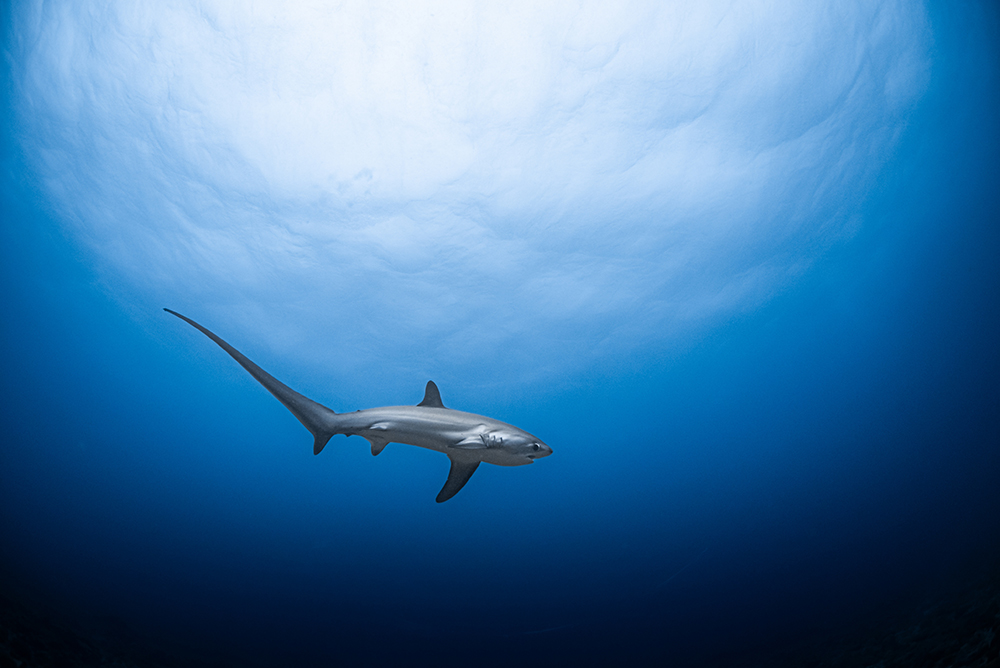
{"x":432,"y":397}
{"x":461,"y":471}
{"x":378,"y":445}
{"x":317,"y":418}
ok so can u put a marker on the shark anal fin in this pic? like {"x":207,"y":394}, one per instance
{"x":461,"y":471}
{"x":432,"y":397}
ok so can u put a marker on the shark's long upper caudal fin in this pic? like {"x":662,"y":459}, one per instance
{"x":317,"y":418}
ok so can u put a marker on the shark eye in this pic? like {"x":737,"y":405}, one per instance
{"x":534,"y":446}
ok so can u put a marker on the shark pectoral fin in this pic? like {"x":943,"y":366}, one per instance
{"x":432,"y":397}
{"x":378,"y":445}
{"x":461,"y":471}
{"x":474,"y":442}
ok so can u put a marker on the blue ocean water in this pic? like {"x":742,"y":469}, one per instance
{"x":813,"y":458}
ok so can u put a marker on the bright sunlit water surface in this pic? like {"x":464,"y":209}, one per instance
{"x":734,"y":262}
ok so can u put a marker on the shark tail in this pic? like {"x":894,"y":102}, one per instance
{"x":317,"y":418}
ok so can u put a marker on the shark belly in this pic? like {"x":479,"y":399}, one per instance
{"x":441,"y":430}
{"x":421,"y":427}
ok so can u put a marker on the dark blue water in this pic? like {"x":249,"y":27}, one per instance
{"x":818,"y":465}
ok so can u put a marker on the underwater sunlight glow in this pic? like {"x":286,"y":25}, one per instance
{"x":723,"y":273}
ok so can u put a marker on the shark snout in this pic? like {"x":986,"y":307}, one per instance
{"x":541,"y":451}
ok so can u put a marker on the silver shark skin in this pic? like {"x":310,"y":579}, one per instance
{"x":468,"y":439}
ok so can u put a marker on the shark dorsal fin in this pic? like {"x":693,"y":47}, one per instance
{"x":461,"y":471}
{"x":432,"y":398}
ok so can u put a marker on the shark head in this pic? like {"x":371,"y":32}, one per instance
{"x":515,"y":447}
{"x":536,"y":450}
